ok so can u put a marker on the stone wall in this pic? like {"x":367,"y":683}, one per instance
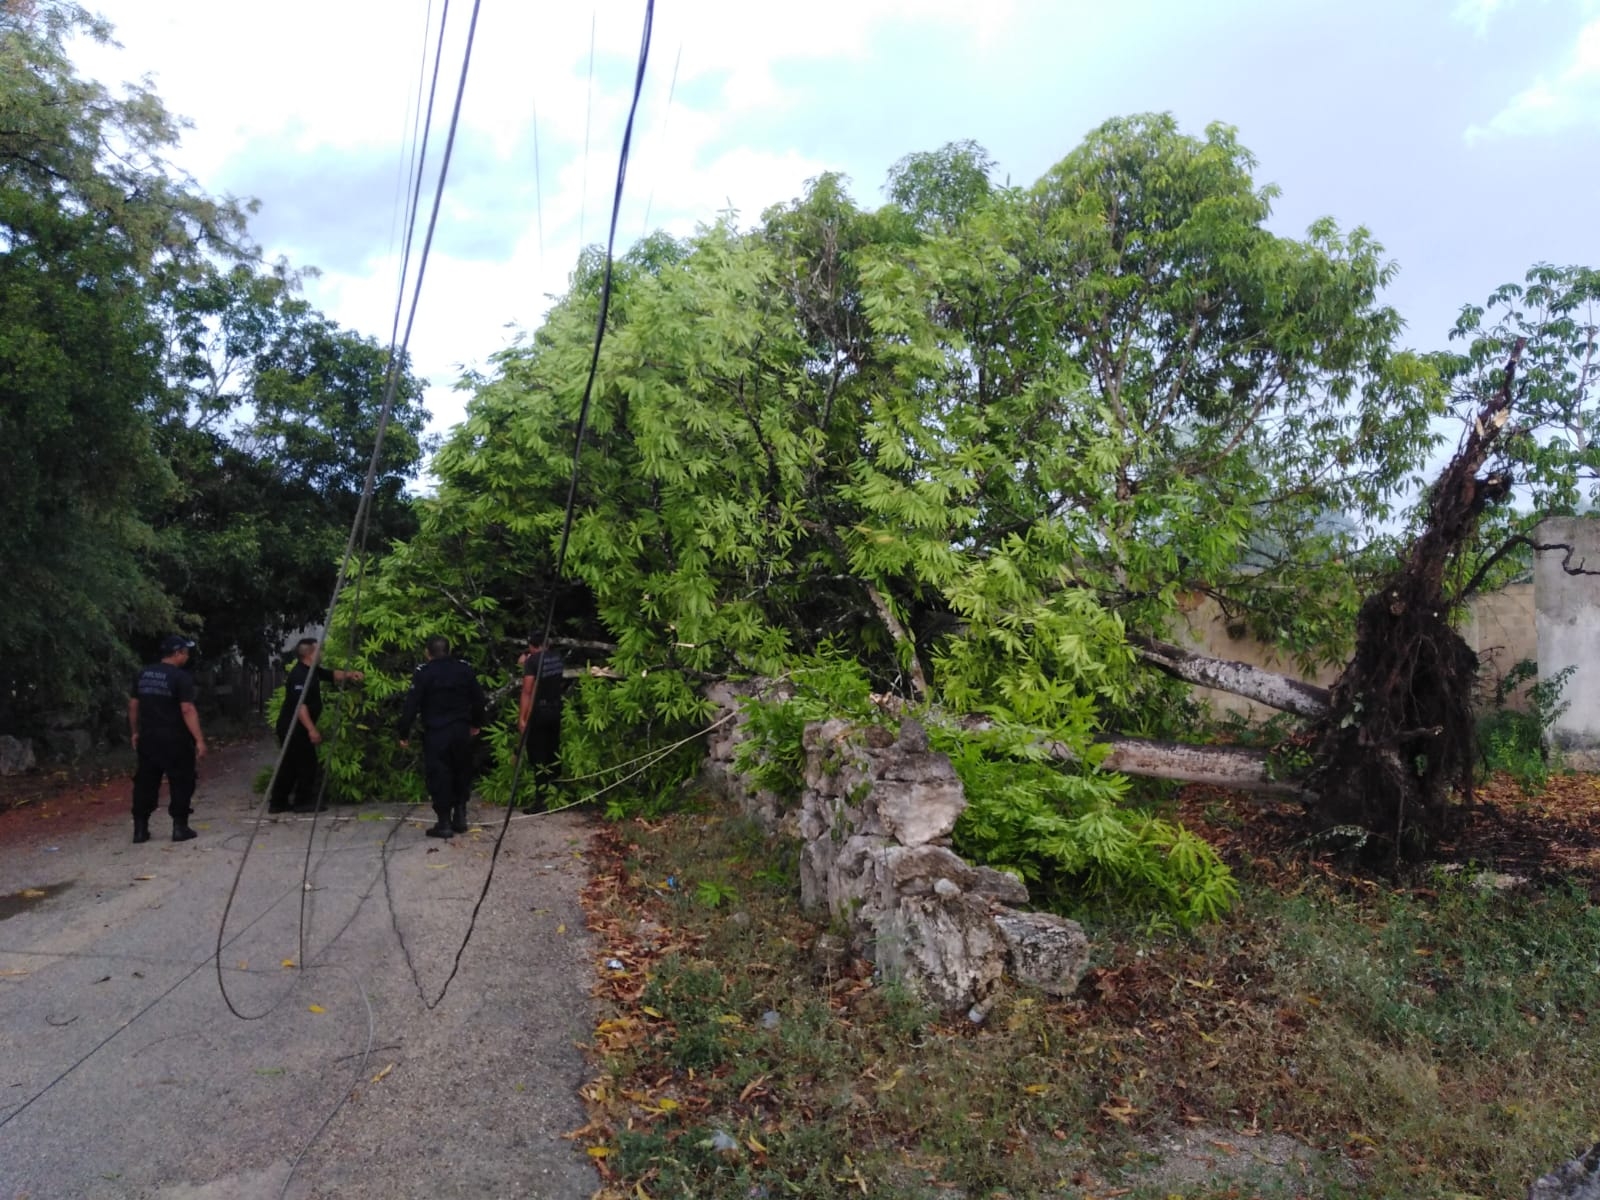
{"x":873,"y":825}
{"x":1569,"y":635}
{"x":1499,"y":626}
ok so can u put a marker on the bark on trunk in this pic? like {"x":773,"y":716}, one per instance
{"x":1241,"y":679}
{"x":1224,"y":766}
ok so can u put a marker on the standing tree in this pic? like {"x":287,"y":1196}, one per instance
{"x":269,"y":420}
{"x":92,"y":225}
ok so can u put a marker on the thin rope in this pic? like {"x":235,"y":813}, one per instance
{"x":661,"y":133}
{"x":588,"y":111}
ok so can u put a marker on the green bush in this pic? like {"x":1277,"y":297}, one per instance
{"x":1516,"y":742}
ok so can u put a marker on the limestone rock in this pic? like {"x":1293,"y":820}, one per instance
{"x":913,"y":737}
{"x":998,"y":885}
{"x":16,"y":755}
{"x":1575,"y":1179}
{"x":854,"y":878}
{"x":1044,"y":951}
{"x":918,"y":799}
{"x":915,"y":870}
{"x":950,"y":952}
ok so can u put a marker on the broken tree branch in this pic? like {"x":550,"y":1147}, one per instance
{"x":1537,"y":547}
{"x":1282,"y":692}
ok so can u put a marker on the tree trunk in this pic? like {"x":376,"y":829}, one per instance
{"x":1224,"y":766}
{"x":1240,"y":679}
{"x":1400,"y":735}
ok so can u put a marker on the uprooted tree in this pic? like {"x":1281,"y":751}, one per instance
{"x":982,"y":442}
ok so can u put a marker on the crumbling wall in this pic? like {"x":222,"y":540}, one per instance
{"x":873,"y":823}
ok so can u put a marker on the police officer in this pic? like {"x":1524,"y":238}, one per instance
{"x":165,"y":729}
{"x":446,"y":694}
{"x":539,"y":714}
{"x":297,"y":725}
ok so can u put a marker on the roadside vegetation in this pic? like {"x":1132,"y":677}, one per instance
{"x":1429,"y":1039}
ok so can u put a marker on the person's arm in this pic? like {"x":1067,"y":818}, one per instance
{"x":133,"y":721}
{"x":348,"y":676}
{"x":525,"y":708}
{"x":191,"y":718}
{"x":480,"y":706}
{"x":312,"y":731}
{"x":408,"y":715}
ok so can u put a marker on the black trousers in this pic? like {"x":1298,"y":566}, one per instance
{"x":544,"y":744}
{"x":175,"y":760}
{"x":298,"y":775}
{"x":447,"y":767}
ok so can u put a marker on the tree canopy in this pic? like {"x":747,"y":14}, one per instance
{"x":178,"y":431}
{"x":974,"y":440}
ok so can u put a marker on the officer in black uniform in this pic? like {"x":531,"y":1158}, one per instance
{"x":539,"y":713}
{"x":166,"y":735}
{"x":297,"y":724}
{"x":446,"y":694}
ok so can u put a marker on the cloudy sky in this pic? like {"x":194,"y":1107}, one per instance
{"x":1463,"y":133}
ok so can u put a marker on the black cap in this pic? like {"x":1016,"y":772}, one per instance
{"x":172,"y":643}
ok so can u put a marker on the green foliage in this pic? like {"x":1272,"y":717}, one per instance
{"x":1549,"y":449}
{"x":1074,"y":840}
{"x":268,"y":422}
{"x":1517,"y":741}
{"x":712,"y":894}
{"x":975,"y":436}
{"x":820,"y":687}
{"x":1069,"y":835}
{"x":182,"y":439}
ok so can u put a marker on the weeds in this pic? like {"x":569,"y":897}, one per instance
{"x":1517,"y":742}
{"x":1430,"y":1044}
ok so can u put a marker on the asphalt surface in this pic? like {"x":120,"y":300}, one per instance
{"x":123,"y":1074}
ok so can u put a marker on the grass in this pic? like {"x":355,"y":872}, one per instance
{"x":1432,"y":1043}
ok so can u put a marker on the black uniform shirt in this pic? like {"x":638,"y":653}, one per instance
{"x":291,"y":694}
{"x":446,"y":693}
{"x":546,"y":666}
{"x":161,"y":690}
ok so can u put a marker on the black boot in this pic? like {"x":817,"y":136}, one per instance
{"x":180,"y":829}
{"x":441,"y":830}
{"x":141,"y":830}
{"x":458,"y":817}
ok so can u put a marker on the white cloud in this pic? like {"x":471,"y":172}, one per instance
{"x":303,"y":78}
{"x":1478,"y":13}
{"x":1569,"y":98}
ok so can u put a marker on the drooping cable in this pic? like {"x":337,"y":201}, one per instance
{"x":363,"y":508}
{"x":571,"y":505}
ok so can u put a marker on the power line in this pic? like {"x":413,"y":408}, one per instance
{"x":538,"y":181}
{"x":571,"y":504}
{"x":358,"y":528}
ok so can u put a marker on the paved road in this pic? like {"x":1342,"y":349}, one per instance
{"x":123,"y":1074}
